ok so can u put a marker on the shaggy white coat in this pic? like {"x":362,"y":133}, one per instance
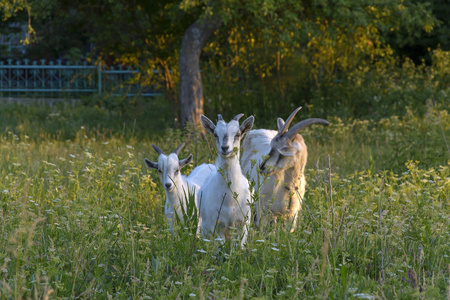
{"x":280,"y":155}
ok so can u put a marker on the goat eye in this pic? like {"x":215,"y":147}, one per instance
{"x":177,"y":171}
{"x":216,"y":136}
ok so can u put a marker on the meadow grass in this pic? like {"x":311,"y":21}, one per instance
{"x":81,"y":216}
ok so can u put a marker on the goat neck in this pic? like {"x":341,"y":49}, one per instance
{"x":288,"y":188}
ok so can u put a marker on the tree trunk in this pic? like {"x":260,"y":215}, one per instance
{"x":191,"y":88}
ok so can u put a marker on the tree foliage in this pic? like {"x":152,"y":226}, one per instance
{"x":255,"y":38}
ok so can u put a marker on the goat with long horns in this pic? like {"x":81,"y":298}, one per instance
{"x":281,"y":156}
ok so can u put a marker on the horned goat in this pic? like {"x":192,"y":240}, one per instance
{"x":177,"y":186}
{"x":280,"y":155}
{"x":225,"y":197}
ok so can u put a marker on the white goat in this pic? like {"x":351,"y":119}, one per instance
{"x":225,"y":197}
{"x":282,"y":156}
{"x":176,"y":186}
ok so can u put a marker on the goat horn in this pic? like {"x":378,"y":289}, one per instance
{"x":238,"y":117}
{"x":176,"y":151}
{"x":157,"y":149}
{"x":300,"y":125}
{"x":289,"y":121}
{"x":219,"y":117}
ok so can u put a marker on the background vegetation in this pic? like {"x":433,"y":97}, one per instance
{"x":341,"y":58}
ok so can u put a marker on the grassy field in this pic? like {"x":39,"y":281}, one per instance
{"x":82,"y":217}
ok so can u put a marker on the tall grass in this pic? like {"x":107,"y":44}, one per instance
{"x":125,"y":117}
{"x":81,"y":216}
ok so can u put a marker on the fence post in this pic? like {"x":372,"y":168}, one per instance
{"x":99,"y":77}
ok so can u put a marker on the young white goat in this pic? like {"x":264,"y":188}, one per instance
{"x":225,"y":197}
{"x":176,"y":186}
{"x":282,"y":156}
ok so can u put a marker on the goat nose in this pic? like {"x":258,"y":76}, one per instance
{"x":168,"y":185}
{"x":225,"y":148}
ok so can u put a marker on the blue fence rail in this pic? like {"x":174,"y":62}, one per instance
{"x":62,"y":77}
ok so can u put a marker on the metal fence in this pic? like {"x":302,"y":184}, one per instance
{"x":51,"y":77}
{"x":13,"y":40}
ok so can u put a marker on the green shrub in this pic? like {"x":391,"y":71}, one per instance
{"x":373,"y":91}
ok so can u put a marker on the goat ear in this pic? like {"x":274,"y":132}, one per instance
{"x":288,"y":151}
{"x":207,"y":124}
{"x":247,"y":125}
{"x":150,"y":164}
{"x":186,"y":161}
{"x":280,"y":123}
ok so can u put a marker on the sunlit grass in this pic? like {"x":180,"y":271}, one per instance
{"x":83,"y":217}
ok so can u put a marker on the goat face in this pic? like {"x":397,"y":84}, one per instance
{"x":284,"y":154}
{"x":169,"y":167}
{"x":228,"y":135}
{"x":287,"y":147}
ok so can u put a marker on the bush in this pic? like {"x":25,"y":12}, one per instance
{"x":373,"y":91}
